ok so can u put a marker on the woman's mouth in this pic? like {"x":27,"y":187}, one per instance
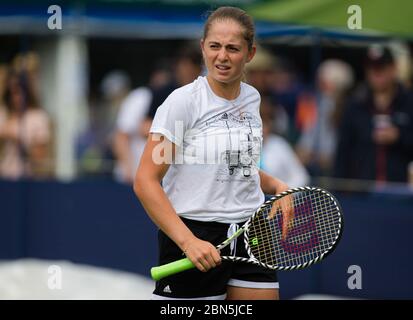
{"x":222,"y":67}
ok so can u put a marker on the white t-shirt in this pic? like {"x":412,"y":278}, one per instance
{"x":132,"y":112}
{"x":214,"y":176}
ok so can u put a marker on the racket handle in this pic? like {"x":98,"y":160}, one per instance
{"x":165,"y":270}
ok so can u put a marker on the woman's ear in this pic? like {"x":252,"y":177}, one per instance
{"x":251,"y":53}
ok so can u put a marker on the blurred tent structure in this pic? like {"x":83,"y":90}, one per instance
{"x":163,"y":19}
{"x":379,"y":17}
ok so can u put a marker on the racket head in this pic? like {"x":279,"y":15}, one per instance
{"x":315,"y":232}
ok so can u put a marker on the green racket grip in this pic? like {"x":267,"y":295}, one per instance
{"x":160,"y":272}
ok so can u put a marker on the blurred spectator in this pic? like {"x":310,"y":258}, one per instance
{"x":186,"y":68}
{"x":289,"y":92}
{"x":115,"y":87}
{"x":131,"y":128}
{"x":260,"y":70}
{"x":317,"y":144}
{"x":403,"y":60}
{"x":3,"y":108}
{"x":3,"y":83}
{"x":129,"y":143}
{"x":25,"y":130}
{"x":259,"y":74}
{"x":94,"y":150}
{"x":376,"y":134}
{"x":277,"y":157}
{"x":135,"y":118}
{"x":28,"y":64}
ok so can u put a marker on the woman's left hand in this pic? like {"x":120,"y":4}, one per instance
{"x":286,"y":206}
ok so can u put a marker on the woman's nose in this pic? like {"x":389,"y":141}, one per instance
{"x":222,"y":55}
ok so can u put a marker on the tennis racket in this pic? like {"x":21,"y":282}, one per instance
{"x":314,"y":230}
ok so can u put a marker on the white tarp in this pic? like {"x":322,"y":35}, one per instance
{"x":39,"y":279}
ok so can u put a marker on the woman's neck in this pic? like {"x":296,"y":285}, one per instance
{"x":229,"y":91}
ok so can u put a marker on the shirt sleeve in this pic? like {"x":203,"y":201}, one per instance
{"x":172,"y":118}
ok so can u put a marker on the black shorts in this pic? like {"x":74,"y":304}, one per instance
{"x":194,"y":284}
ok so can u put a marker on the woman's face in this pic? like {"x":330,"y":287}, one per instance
{"x":226,"y":51}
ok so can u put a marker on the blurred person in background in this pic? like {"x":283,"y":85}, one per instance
{"x":259,"y":74}
{"x":290,"y":93}
{"x":135,"y":118}
{"x":94,"y":150}
{"x":115,"y":87}
{"x":317,"y":144}
{"x":25,"y":129}
{"x":132,"y":126}
{"x":27,"y":64}
{"x":186,"y":68}
{"x":277,"y":157}
{"x":3,"y":83}
{"x":260,"y":70}
{"x":3,"y":108}
{"x":376,"y":132}
{"x":403,"y":61}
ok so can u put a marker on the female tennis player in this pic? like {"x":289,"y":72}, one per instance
{"x":204,"y":148}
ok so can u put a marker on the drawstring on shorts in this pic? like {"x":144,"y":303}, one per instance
{"x":233,"y":228}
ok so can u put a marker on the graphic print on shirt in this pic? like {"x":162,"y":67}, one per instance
{"x":243,"y":135}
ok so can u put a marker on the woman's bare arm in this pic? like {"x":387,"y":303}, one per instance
{"x":270,"y":184}
{"x":148,"y":189}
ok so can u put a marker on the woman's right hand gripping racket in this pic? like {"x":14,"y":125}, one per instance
{"x":314,"y":229}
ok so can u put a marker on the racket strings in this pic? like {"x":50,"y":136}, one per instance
{"x":313,"y":230}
